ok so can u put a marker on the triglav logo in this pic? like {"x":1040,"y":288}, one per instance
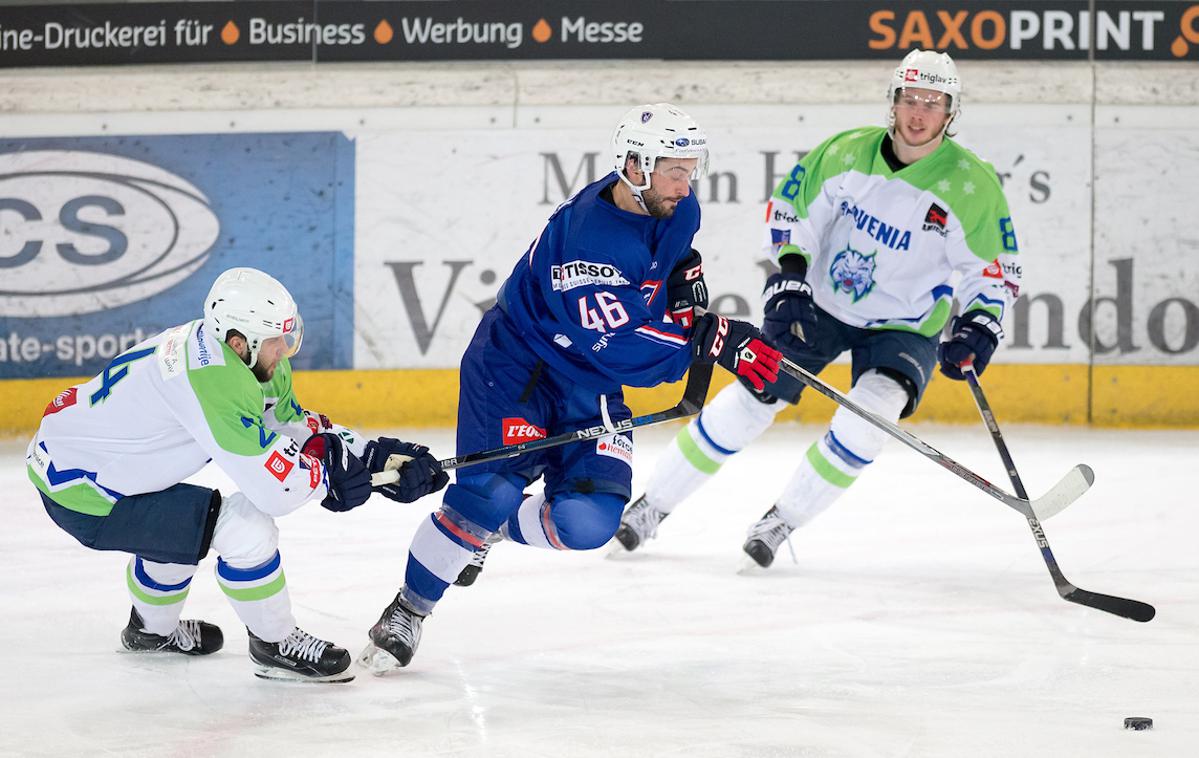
{"x":82,"y":232}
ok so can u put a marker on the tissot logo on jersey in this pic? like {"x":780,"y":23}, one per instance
{"x":583,"y":274}
{"x":518,"y":430}
{"x":891,"y":236}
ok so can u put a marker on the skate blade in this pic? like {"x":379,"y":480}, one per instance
{"x":376,"y":661}
{"x":617,"y":550}
{"x":749,"y":567}
{"x":166,"y":653}
{"x":282,"y":675}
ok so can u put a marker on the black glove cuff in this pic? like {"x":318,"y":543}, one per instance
{"x":794,"y":263}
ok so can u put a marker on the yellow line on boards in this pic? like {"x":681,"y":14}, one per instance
{"x":1122,"y":396}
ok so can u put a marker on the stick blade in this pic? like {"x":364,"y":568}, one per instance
{"x":1119,"y":606}
{"x":1072,"y":486}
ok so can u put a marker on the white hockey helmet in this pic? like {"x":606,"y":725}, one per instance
{"x":925,"y":69}
{"x":257,"y":306}
{"x":657,"y":131}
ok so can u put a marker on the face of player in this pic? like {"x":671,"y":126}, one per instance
{"x":920,"y":115}
{"x":670,"y":182}
{"x":270,"y":353}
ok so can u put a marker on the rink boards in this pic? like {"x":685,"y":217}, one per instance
{"x":1119,"y":396}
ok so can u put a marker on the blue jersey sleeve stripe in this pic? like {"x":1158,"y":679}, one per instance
{"x":666,"y":337}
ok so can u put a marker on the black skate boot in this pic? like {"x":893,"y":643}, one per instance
{"x":299,"y":658}
{"x":639,"y":524}
{"x":765,"y":536}
{"x":191,"y":637}
{"x":468,"y":575}
{"x":394,"y":638}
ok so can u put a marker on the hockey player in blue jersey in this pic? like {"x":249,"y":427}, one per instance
{"x":584,"y":312}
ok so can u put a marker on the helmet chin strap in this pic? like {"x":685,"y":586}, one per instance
{"x":647,"y":167}
{"x":640,"y":200}
{"x":636,"y":190}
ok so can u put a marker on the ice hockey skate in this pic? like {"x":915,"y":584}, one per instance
{"x":638,"y":525}
{"x":394,"y":638}
{"x":300,"y":657}
{"x":191,"y":637}
{"x":468,"y":575}
{"x":765,"y":536}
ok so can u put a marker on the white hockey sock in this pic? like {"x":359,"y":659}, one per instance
{"x":259,"y":596}
{"x":158,"y":591}
{"x":835,"y":461}
{"x":250,"y":570}
{"x":731,"y":421}
{"x":442,"y":556}
{"x":536,"y":528}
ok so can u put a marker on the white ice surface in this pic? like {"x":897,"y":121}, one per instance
{"x":919,"y":621}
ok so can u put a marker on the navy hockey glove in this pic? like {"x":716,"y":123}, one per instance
{"x":975,"y":333}
{"x":420,"y":473}
{"x":686,"y":291}
{"x":790,"y":320}
{"x":349,"y":481}
{"x":738,"y":347}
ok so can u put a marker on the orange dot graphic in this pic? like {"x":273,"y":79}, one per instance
{"x":1179,"y":47}
{"x":542,"y":31}
{"x":230,"y":34}
{"x":384,"y":32}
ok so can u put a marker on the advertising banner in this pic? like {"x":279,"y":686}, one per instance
{"x":444,"y":215}
{"x":395,"y":241}
{"x":418,"y":30}
{"x":107,"y":240}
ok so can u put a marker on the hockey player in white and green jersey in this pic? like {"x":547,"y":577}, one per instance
{"x":876,"y":232}
{"x":110,"y":455}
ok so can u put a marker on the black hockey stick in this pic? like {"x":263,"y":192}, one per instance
{"x":1066,"y":491}
{"x":1129,"y":609}
{"x":694,"y":394}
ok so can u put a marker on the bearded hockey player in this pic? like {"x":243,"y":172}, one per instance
{"x":110,"y":455}
{"x":868,"y":231}
{"x":583,"y":313}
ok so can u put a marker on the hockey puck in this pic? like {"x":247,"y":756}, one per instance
{"x":1138,"y":723}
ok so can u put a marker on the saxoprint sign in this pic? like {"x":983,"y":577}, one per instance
{"x":380,"y":30}
{"x":106,"y":241}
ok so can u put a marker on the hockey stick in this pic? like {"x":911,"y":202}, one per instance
{"x":1066,"y":491}
{"x":1129,"y":609}
{"x":694,"y":394}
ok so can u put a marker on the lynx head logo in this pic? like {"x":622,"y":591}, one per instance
{"x":853,"y":272}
